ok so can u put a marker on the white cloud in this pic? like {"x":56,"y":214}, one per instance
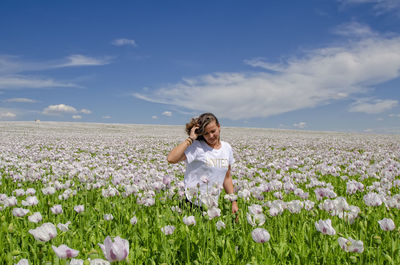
{"x":319,"y":77}
{"x":20,"y":100}
{"x":58,"y":109}
{"x":354,"y":29}
{"x":260,"y":62}
{"x":384,"y":130}
{"x":124,"y":42}
{"x":12,"y":70}
{"x":373,"y":106}
{"x":7,"y":115}
{"x":76,"y":117}
{"x":154,"y":117}
{"x":85,"y":111}
{"x":300,"y":125}
{"x":81,"y":60}
{"x":106,"y":117}
{"x":20,"y":82}
{"x":380,"y":6}
{"x":13,"y":64}
{"x":394,"y":115}
{"x":167,"y":113}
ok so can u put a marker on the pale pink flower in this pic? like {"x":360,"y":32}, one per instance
{"x":64,"y":252}
{"x":11,"y":201}
{"x":260,"y":235}
{"x":157,"y":186}
{"x":220,"y":225}
{"x":19,"y":192}
{"x":115,"y":251}
{"x":189,"y":220}
{"x":209,"y":200}
{"x":149,"y":201}
{"x":255,"y":209}
{"x":168,"y":229}
{"x":353,"y":186}
{"x":213,"y":212}
{"x":341,"y":205}
{"x":387,"y":224}
{"x":57,"y":209}
{"x":245,"y":194}
{"x":256,"y":219}
{"x":351,"y":215}
{"x":22,"y":262}
{"x":276,"y":207}
{"x":230,"y":197}
{"x":176,"y":209}
{"x":308,"y":205}
{"x":30,"y":191}
{"x":48,"y":190}
{"x":278,"y":195}
{"x":372,"y":199}
{"x":274,"y":211}
{"x":351,"y":245}
{"x":325,"y":227}
{"x":108,"y":217}
{"x":77,"y":262}
{"x":35,"y":217}
{"x":19,"y":212}
{"x":45,"y":232}
{"x":64,"y":227}
{"x":328,"y":205}
{"x":30,"y":201}
{"x":324,"y":192}
{"x":295,"y":206}
{"x":79,"y":208}
{"x":167,"y":180}
{"x":133,"y":220}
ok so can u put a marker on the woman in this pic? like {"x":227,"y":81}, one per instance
{"x":208,"y":161}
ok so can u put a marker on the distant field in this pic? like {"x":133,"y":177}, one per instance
{"x":322,"y":197}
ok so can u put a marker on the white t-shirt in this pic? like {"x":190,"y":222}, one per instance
{"x":206,"y":163}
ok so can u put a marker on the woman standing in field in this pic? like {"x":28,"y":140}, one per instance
{"x":208,"y":161}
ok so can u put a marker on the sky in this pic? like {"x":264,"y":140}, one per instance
{"x":323,"y":65}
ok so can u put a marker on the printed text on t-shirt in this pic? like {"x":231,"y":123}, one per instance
{"x":217,"y":162}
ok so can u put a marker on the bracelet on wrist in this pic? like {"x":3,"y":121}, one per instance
{"x":189,"y":140}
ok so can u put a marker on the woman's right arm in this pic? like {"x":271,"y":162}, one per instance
{"x":178,"y":153}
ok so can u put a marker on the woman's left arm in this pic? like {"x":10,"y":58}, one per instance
{"x":228,"y":186}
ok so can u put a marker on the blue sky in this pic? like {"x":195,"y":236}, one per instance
{"x":312,"y":65}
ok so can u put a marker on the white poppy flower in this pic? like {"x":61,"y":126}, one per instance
{"x":45,"y":232}
{"x":387,"y":224}
{"x":115,"y":251}
{"x":64,"y":252}
{"x":168,"y":229}
{"x":260,"y":235}
{"x":220,"y":225}
{"x":189,"y":220}
{"x":35,"y":217}
{"x":351,"y":245}
{"x":325,"y":227}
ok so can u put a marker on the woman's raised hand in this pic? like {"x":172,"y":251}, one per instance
{"x":193,"y":134}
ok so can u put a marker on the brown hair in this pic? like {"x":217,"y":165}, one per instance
{"x":202,"y":121}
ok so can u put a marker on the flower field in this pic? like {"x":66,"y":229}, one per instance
{"x":75,"y":193}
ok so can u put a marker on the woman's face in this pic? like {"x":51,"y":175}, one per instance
{"x":211,"y":133}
